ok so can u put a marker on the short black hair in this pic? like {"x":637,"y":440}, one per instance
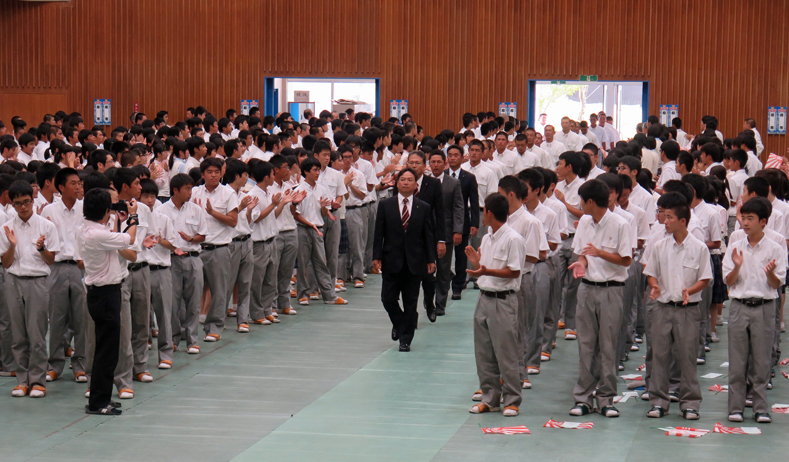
{"x":613,"y":182}
{"x":758,"y":206}
{"x":307,"y":165}
{"x":671,"y":149}
{"x":123,"y":176}
{"x":498,"y":206}
{"x":573,"y":160}
{"x":631,"y":162}
{"x":532,"y":177}
{"x":682,"y":211}
{"x":149,"y":187}
{"x":740,"y":157}
{"x":180,"y":180}
{"x":210,"y":162}
{"x":680,"y":187}
{"x":672,"y":199}
{"x":96,"y":180}
{"x":758,"y":186}
{"x":511,"y":184}
{"x":698,"y":183}
{"x":234,"y":168}
{"x":712,"y":150}
{"x":96,"y":203}
{"x":260,"y":169}
{"x":408,"y":170}
{"x":46,"y":171}
{"x":686,"y":159}
{"x":63,"y":175}
{"x":596,"y":191}
{"x":20,"y":188}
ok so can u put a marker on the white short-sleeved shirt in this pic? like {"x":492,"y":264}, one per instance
{"x":530,"y":229}
{"x":782,"y":207}
{"x":369,"y":171}
{"x":679,"y":266}
{"x":99,"y":249}
{"x":243,"y":227}
{"x":332,"y":181}
{"x":546,"y":159}
{"x":611,"y":234}
{"x":503,"y":249}
{"x":28,"y":260}
{"x":68,"y":221}
{"x":509,"y":159}
{"x":709,"y":218}
{"x":285,"y":220}
{"x":266,"y":228}
{"x":592,"y":137}
{"x":190,"y":219}
{"x":310,"y":208}
{"x":668,"y":173}
{"x":753,"y":165}
{"x":643,"y":199}
{"x":360,"y":182}
{"x":707,"y":171}
{"x":600,"y":132}
{"x":550,"y":224}
{"x":527,"y":160}
{"x":613,"y":135}
{"x":159,"y":225}
{"x":487,"y":180}
{"x":224,"y":200}
{"x":571,"y":196}
{"x":560,"y":210}
{"x":631,"y":224}
{"x":555,"y":148}
{"x":736,"y":183}
{"x":768,"y":233}
{"x":752,"y":280}
{"x":641,"y":222}
{"x":650,"y":160}
{"x":570,"y":140}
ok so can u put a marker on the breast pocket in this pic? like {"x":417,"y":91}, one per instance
{"x":500,"y":258}
{"x":690,"y":269}
{"x":192,"y":225}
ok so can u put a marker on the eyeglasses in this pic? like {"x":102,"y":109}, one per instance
{"x":24,"y":203}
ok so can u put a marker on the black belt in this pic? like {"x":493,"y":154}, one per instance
{"x":212,"y":246}
{"x":68,"y":262}
{"x":309,"y":227}
{"x":264,"y":241}
{"x":499,"y":295}
{"x":241,"y":238}
{"x":137,"y":266}
{"x":27,"y":277}
{"x":603,"y":284}
{"x":753,"y":301}
{"x":571,"y":235}
{"x":680,"y":305}
{"x":352,"y":207}
{"x":158,"y":267}
{"x":193,"y":253}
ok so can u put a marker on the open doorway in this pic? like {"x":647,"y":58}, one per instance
{"x":331,"y":94}
{"x":627,"y":102}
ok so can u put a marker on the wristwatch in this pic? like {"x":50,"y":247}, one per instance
{"x":42,"y":248}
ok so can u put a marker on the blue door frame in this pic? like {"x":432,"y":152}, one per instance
{"x":271,"y":95}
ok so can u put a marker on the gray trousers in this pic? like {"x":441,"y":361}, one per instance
{"x":136,"y":292}
{"x":331,"y":241}
{"x":187,"y":277}
{"x":67,"y":305}
{"x":241,"y":267}
{"x":570,"y":284}
{"x":630,"y":293}
{"x":777,"y":334}
{"x":371,"y":209}
{"x":704,"y":321}
{"x":496,"y":349}
{"x":216,"y":274}
{"x":536,"y":297}
{"x":264,"y":279}
{"x":311,"y":249}
{"x":554,"y":303}
{"x":751,"y":329}
{"x":599,"y":319}
{"x":444,"y":276}
{"x":6,"y":341}
{"x":356,"y":222}
{"x":27,"y":301}
{"x":162,"y":304}
{"x":286,"y":246}
{"x":673,"y":338}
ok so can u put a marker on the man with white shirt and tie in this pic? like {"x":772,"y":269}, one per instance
{"x":554,"y":147}
{"x":567,"y":137}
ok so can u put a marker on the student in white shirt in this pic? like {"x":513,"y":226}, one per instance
{"x":630,"y":166}
{"x":553,"y":146}
{"x":333,"y":181}
{"x":546,"y":160}
{"x":570,"y":140}
{"x":356,"y":220}
{"x":600,"y":132}
{"x":711,"y":155}
{"x":736,"y":180}
{"x":526,"y":158}
{"x":27,"y":143}
{"x":748,"y":144}
{"x":754,"y":268}
{"x":28,"y":247}
{"x":505,"y":156}
{"x":669,"y":151}
{"x":591,"y":150}
{"x":487,"y":182}
{"x":197,"y":151}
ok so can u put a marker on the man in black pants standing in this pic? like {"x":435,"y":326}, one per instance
{"x":105,"y":250}
{"x":468,"y":186}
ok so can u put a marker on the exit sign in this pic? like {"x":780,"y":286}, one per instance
{"x":558,"y":82}
{"x":588,"y":78}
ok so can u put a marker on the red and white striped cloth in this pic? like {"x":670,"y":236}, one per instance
{"x":519,"y":430}
{"x":642,"y":367}
{"x":774,"y":161}
{"x":719,"y":388}
{"x":786,"y":376}
{"x":573,"y":425}
{"x":685,"y":431}
{"x":736,"y":430}
{"x":781,"y":408}
{"x":785,"y":361}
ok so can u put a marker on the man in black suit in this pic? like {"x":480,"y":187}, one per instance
{"x":404,"y":251}
{"x":468,"y":186}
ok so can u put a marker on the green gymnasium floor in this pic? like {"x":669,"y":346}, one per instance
{"x":329,"y":385}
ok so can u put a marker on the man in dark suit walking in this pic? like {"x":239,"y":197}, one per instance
{"x":453,"y":216}
{"x":468,"y":186}
{"x":404,"y":251}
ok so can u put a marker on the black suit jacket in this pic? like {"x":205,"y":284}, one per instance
{"x":395,"y":246}
{"x":430,"y":192}
{"x":468,"y":186}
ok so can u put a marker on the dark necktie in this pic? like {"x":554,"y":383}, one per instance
{"x":453,"y":175}
{"x":405,"y":216}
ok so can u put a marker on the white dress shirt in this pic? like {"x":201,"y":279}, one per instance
{"x":190,"y":219}
{"x":679,"y":266}
{"x":159,"y":225}
{"x":570,"y":140}
{"x":224,"y":200}
{"x":69,"y":222}
{"x":560,"y":210}
{"x":266,"y":228}
{"x":243,"y":227}
{"x":594,"y":172}
{"x":503,"y":249}
{"x":555,"y":149}
{"x":527,"y":159}
{"x":592,"y":138}
{"x":641,"y":220}
{"x":360,"y":182}
{"x":530,"y":229}
{"x":285,"y":220}
{"x":38,"y":151}
{"x":571,"y":196}
{"x":668,"y":173}
{"x":753,"y":165}
{"x":611,"y":234}
{"x":707,"y":171}
{"x":487,"y":181}
{"x":333,"y":181}
{"x":650,"y":160}
{"x":28,"y":260}
{"x":546,"y":159}
{"x":310,"y":208}
{"x":509,"y":159}
{"x":710,"y":222}
{"x":550,"y":224}
{"x":631,"y":221}
{"x":600,"y":133}
{"x":751,"y":279}
{"x":736,"y":182}
{"x":99,"y":249}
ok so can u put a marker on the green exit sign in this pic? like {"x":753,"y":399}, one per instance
{"x":588,"y":78}
{"x":558,"y":82}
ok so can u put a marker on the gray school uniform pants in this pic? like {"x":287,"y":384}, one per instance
{"x":136,"y":292}
{"x":241,"y":267}
{"x":535,"y":289}
{"x":356,"y":222}
{"x":444,"y":277}
{"x":331,"y":242}
{"x":216,"y":274}
{"x":186,"y":273}
{"x":704,"y":321}
{"x":6,"y":342}
{"x":551,"y":322}
{"x":67,"y":305}
{"x":777,"y":334}
{"x":162,"y":304}
{"x":311,"y":249}
{"x":673,"y":337}
{"x":371,"y":209}
{"x":570,"y":284}
{"x":627,"y":330}
{"x":264,"y":279}
{"x":285,"y":250}
{"x":751,"y":328}
{"x":28,"y":299}
{"x":599,"y":320}
{"x":496,"y":349}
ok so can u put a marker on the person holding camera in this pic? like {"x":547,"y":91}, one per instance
{"x":105,"y":252}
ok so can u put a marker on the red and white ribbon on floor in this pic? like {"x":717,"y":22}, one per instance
{"x":572,"y":425}
{"x":719,"y":388}
{"x":685,"y":431}
{"x":786,"y":376}
{"x":781,"y":408}
{"x":519,"y":430}
{"x":736,"y":430}
{"x":642,"y":367}
{"x":785,"y":361}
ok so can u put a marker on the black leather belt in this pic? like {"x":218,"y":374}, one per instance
{"x":27,"y":277}
{"x":571,"y":235}
{"x":499,"y":295}
{"x":212,"y":246}
{"x":352,"y":207}
{"x":603,"y":284}
{"x":158,"y":267}
{"x":680,"y":305}
{"x":264,"y":241}
{"x":137,"y":266}
{"x":753,"y":301}
{"x":68,"y":262}
{"x":241,"y":238}
{"x":193,"y":253}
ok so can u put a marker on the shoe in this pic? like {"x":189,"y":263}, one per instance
{"x":526,"y":385}
{"x":621,"y":366}
{"x":580,"y":409}
{"x":154,"y":333}
{"x":431,"y":315}
{"x":193,"y":350}
{"x":52,"y":376}
{"x":735,"y":417}
{"x":560,"y":326}
{"x":19,"y":391}
{"x":211,"y":338}
{"x":80,"y":377}
{"x":770,"y":385}
{"x":714,"y":338}
{"x":719,"y":322}
{"x":707,"y":348}
{"x":144,"y":377}
{"x":337,"y":301}
{"x":150,"y":345}
{"x":553,"y":345}
{"x":87,"y":393}
{"x":272,"y":320}
{"x":405,"y":348}
{"x":107,"y":410}
{"x":126,"y":393}
{"x":38,"y":392}
{"x":315,"y":297}
{"x":303,"y":301}
{"x":7,"y":374}
{"x":175,"y":347}
{"x":339,"y":288}
{"x":482,"y":408}
{"x":656,"y":412}
{"x":375,"y":271}
{"x":340,"y":282}
{"x":701,"y":361}
{"x":759,"y":417}
{"x":645,"y":396}
{"x":243,"y":328}
{"x":441,"y":312}
{"x":292,"y":293}
{"x":570,"y":335}
{"x":293,"y":280}
{"x":748,"y":402}
{"x":289,"y":311}
{"x":231,"y":313}
{"x":69,"y":352}
{"x":545,"y":357}
{"x":673,"y":396}
{"x":476,"y":286}
{"x":201,"y":318}
{"x":634,"y":347}
{"x":264,"y":321}
{"x":531,"y":370}
{"x":690,"y":414}
{"x":510,"y":411}
{"x":456,"y":296}
{"x":609,"y":411}
{"x":165,"y":364}
{"x":359,"y":285}
{"x":477,"y":396}
{"x":639,"y":339}
{"x":395,"y":336}
{"x":274,"y":313}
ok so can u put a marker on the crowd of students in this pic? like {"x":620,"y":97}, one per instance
{"x":614,"y":242}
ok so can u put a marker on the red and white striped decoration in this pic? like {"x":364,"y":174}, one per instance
{"x":519,"y":430}
{"x":786,"y":376}
{"x":719,"y":388}
{"x":685,"y":431}
{"x":774,"y":161}
{"x":781,"y":408}
{"x":642,"y":367}
{"x":572,"y":425}
{"x":736,"y":430}
{"x":785,"y":361}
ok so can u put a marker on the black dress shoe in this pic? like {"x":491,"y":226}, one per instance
{"x":456,"y":296}
{"x":440,"y":312}
{"x":405,"y":347}
{"x":395,"y":337}
{"x":431,"y":315}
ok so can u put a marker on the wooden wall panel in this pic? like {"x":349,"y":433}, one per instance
{"x":724,"y":57}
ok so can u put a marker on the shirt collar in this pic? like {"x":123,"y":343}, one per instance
{"x":440,"y":177}
{"x":495,"y":236}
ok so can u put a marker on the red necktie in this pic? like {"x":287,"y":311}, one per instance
{"x":405,"y":216}
{"x":416,"y":192}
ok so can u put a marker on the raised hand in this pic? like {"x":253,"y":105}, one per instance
{"x":277,"y":198}
{"x":9,"y":233}
{"x":685,"y":297}
{"x":477,"y":272}
{"x":244,"y":202}
{"x":473,"y":255}
{"x":40,"y":241}
{"x":770,"y":266}
{"x":591,"y":250}
{"x":736,"y":258}
{"x":208,"y":208}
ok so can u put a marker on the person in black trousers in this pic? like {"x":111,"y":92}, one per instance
{"x":405,"y":252}
{"x":468,"y":186}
